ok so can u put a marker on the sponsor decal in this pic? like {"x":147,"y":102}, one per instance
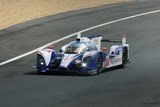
{"x":95,"y":41}
{"x":78,"y":61}
{"x":67,"y":58}
{"x":117,"y":60}
{"x":106,"y":64}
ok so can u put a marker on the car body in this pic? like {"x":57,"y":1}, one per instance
{"x":84,"y":56}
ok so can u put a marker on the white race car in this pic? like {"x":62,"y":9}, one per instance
{"x":84,"y":56}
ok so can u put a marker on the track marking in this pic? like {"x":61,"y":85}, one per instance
{"x":71,"y":35}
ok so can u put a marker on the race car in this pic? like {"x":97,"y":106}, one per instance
{"x":84,"y":56}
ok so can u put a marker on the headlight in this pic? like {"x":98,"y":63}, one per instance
{"x":42,"y":63}
{"x":84,"y":64}
{"x":40,"y":60}
{"x":86,"y":61}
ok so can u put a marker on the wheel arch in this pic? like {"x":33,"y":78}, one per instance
{"x":103,"y":55}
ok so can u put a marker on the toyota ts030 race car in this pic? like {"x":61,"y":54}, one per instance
{"x":84,"y":56}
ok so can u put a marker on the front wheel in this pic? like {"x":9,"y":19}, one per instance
{"x":99,"y":64}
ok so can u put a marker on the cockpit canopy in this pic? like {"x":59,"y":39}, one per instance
{"x":79,"y":47}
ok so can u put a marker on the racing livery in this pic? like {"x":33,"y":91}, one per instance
{"x":84,"y":56}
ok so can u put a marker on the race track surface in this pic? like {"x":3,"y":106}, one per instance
{"x":135,"y":86}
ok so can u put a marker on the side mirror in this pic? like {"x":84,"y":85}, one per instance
{"x":60,"y":51}
{"x":63,"y":48}
{"x":112,"y":56}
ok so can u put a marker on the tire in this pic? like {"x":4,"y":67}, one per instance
{"x":99,"y":64}
{"x":124,"y":58}
{"x":40,"y":73}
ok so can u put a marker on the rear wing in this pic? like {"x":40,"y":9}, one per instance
{"x":111,"y":40}
{"x":123,"y":41}
{"x":97,"y":39}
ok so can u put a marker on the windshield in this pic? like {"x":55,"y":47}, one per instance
{"x":76,"y":48}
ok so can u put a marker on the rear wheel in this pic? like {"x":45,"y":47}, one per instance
{"x":124,"y":58}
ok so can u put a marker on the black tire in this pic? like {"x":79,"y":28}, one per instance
{"x":99,"y":64}
{"x":40,"y":73}
{"x":124,"y":58}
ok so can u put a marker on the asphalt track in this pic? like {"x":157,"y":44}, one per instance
{"x":135,"y":86}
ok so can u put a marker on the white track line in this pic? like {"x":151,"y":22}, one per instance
{"x":71,"y":35}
